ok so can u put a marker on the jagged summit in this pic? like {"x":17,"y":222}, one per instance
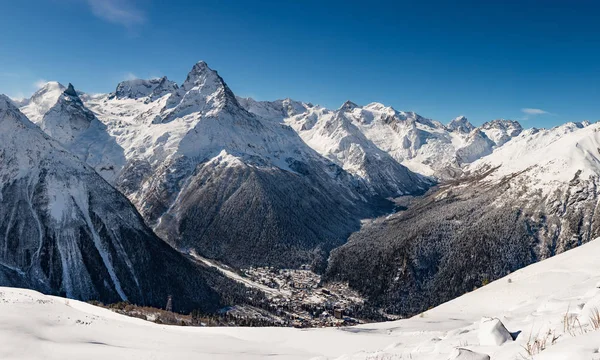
{"x":501,"y":123}
{"x":207,"y":81}
{"x":70,"y":91}
{"x":202,"y":92}
{"x":460,"y":124}
{"x":501,"y":130}
{"x":139,"y":88}
{"x":348,"y":106}
{"x":199,"y":71}
{"x":68,"y":118}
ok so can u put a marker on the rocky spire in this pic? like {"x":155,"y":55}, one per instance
{"x":70,"y":91}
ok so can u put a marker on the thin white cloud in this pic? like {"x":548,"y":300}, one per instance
{"x":19,"y":96}
{"x":130,"y":76}
{"x":122,"y":12}
{"x":532,"y":111}
{"x":40,"y":83}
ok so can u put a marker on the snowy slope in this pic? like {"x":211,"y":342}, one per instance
{"x":529,"y":303}
{"x":548,"y":156}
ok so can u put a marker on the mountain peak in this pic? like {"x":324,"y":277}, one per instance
{"x":51,"y":85}
{"x":5,"y":102}
{"x":70,"y":91}
{"x":70,"y":95}
{"x":200,"y":74}
{"x":201,"y":65}
{"x":460,"y":124}
{"x":49,"y":89}
{"x":10,"y":114}
{"x":348,"y":106}
{"x":42,"y":100}
{"x":502,"y":130}
{"x":67,"y":118}
{"x":202,"y":91}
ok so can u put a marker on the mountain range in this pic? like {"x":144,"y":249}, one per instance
{"x":407,"y":210}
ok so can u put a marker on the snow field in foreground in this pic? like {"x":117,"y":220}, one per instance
{"x":531,"y":304}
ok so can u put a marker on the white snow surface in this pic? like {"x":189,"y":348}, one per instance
{"x":492,"y":332}
{"x":548,"y":157}
{"x":530,"y":303}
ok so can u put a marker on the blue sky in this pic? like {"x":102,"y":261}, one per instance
{"x":535,"y":61}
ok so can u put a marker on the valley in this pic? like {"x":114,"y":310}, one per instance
{"x":290,"y":214}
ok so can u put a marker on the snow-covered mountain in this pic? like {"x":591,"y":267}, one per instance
{"x":279,"y":183}
{"x":546,"y":309}
{"x":425,"y":146}
{"x":67,"y":231}
{"x":189,"y":156}
{"x":335,"y":136}
{"x":208,"y":175}
{"x":532,"y":198}
{"x":548,"y":156}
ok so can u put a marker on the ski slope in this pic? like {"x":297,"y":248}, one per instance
{"x":529,"y":303}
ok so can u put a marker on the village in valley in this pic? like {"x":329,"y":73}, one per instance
{"x":292,"y":298}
